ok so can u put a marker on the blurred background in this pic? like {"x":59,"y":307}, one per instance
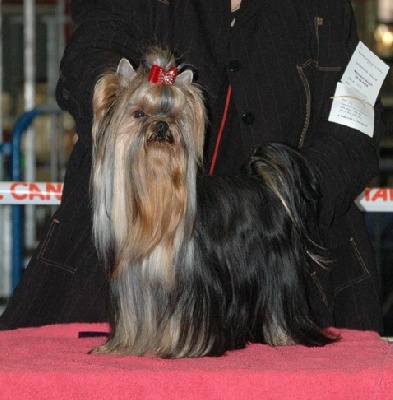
{"x":39,"y":138}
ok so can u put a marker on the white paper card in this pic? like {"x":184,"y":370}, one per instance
{"x":348,"y":110}
{"x":355,"y":96}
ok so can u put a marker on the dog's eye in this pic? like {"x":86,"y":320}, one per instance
{"x":139,"y":114}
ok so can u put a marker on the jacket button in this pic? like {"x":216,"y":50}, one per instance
{"x":234,"y":65}
{"x":248,"y":118}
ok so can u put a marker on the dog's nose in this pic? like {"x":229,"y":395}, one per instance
{"x":161,"y":129}
{"x":162,"y":132}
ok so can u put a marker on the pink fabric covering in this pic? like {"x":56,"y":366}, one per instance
{"x":52,"y":363}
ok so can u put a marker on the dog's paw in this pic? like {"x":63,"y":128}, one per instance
{"x":103,"y":349}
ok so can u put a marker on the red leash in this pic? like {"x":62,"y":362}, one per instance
{"x":222,"y":125}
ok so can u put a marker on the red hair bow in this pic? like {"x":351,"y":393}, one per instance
{"x":161,"y":76}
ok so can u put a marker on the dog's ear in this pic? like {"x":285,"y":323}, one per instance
{"x":110,"y":86}
{"x":185,"y":77}
{"x":126,"y":73}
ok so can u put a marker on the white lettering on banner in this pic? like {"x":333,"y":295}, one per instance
{"x":373,"y":199}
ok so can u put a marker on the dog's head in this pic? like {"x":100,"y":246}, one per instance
{"x":155,"y":106}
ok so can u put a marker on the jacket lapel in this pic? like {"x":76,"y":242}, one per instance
{"x":248,"y":9}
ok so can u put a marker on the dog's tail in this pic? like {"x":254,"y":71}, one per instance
{"x":287,"y":173}
{"x":292,"y":179}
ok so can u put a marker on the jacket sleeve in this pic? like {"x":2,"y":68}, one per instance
{"x":345,"y":158}
{"x":101,"y":37}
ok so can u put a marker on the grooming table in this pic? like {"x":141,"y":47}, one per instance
{"x":51,"y":362}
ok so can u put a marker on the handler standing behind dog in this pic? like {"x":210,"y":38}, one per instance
{"x":269,"y":69}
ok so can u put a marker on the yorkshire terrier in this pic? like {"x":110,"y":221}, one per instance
{"x":198,"y":264}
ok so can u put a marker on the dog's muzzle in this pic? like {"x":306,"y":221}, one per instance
{"x":161,"y":133}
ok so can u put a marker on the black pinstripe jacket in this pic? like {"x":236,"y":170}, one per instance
{"x":282,"y":59}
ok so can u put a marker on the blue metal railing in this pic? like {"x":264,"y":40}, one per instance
{"x":14,"y":150}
